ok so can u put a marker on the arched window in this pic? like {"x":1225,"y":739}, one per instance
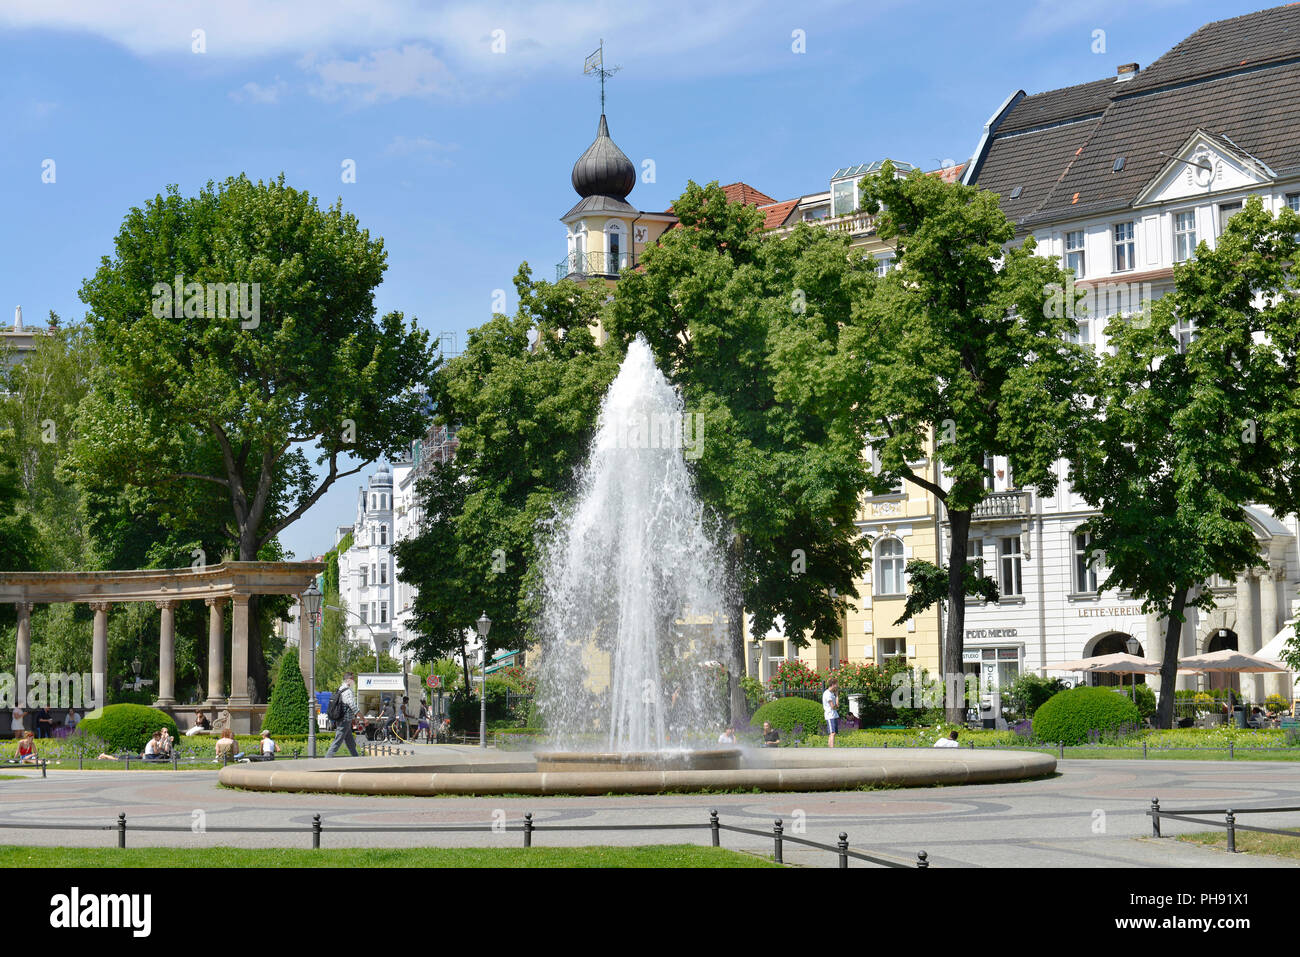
{"x":890,"y":563}
{"x":617,"y":254}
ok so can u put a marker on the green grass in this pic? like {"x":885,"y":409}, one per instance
{"x":1250,"y":842}
{"x":657,"y":856}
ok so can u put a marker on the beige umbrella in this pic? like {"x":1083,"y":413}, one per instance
{"x":1230,"y":661}
{"x":1117,"y":663}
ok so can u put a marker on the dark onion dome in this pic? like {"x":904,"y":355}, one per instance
{"x":603,"y":170}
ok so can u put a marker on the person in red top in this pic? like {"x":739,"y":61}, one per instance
{"x":27,"y":748}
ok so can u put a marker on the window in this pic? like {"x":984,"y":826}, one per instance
{"x":383,"y":612}
{"x":365,"y":576}
{"x":1082,"y":334}
{"x":1293,"y":201}
{"x":383,"y":574}
{"x":893,"y":648}
{"x":1010,"y":553}
{"x":897,"y":487}
{"x":1074,"y":252}
{"x":1085,"y":569}
{"x":889,"y":568}
{"x":989,"y":475}
{"x":1008,"y":660}
{"x":1125,"y":255}
{"x":1226,"y":212}
{"x":1184,"y":235}
{"x":975,"y":555}
{"x":365,"y":618}
{"x":383,"y":534}
{"x":844,"y":197}
{"x":818,"y":212}
{"x":1185,"y":332}
{"x":775,"y":655}
{"x":884,"y":264}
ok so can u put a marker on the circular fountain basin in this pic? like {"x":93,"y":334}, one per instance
{"x":718,"y":759}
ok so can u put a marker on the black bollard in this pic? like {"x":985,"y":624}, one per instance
{"x":713,"y":827}
{"x":844,"y":850}
{"x":1232,"y":832}
{"x":777,"y":831}
{"x":121,"y":830}
{"x":528,"y":829}
{"x":1155,"y":817}
{"x":315,"y":832}
{"x":922,"y":859}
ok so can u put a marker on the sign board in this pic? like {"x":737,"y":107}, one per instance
{"x":969,"y":655}
{"x":376,"y":682}
{"x":433,"y":681}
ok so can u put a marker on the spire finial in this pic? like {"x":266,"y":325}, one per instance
{"x":596,"y":64}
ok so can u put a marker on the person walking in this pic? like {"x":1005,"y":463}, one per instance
{"x":345,"y":705}
{"x":830,"y":708}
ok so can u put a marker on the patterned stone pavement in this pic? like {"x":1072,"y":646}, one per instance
{"x":1091,"y":814}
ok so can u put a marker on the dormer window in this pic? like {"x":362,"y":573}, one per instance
{"x":844,"y":197}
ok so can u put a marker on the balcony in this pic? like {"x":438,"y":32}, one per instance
{"x":1000,"y":506}
{"x":855,"y":224}
{"x":579,"y":266}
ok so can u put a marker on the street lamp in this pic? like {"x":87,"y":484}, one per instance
{"x":1134,"y":648}
{"x":484,"y":625}
{"x":311,"y":602}
{"x":135,"y":667}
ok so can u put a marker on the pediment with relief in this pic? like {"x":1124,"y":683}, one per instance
{"x":1204,"y":165}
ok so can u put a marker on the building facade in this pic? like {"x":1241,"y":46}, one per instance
{"x":1121,"y":178}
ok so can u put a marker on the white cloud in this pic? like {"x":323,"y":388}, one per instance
{"x":388,"y":74}
{"x":418,"y":145}
{"x":253,"y":92}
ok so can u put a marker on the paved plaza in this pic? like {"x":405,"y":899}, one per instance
{"x":1091,"y":814}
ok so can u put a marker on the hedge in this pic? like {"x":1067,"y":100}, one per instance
{"x":784,"y":713}
{"x":287,"y":711}
{"x":1072,"y":717}
{"x":127,"y":727}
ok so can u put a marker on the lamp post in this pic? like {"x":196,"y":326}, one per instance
{"x":1134,"y":648}
{"x":484,"y":625}
{"x":135,"y":668}
{"x":311,"y":602}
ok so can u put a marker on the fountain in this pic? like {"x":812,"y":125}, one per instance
{"x":633,"y":633}
{"x":632,"y":575}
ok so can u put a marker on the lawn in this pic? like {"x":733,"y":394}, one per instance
{"x":1250,"y":842}
{"x":656,"y":856}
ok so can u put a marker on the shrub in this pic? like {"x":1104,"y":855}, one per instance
{"x":127,"y":727}
{"x":755,"y":694}
{"x":1030,"y":691}
{"x":1275,"y":703}
{"x":1069,"y":716}
{"x":784,"y":713}
{"x":794,"y":674}
{"x":287,"y":712}
{"x":464,"y":707}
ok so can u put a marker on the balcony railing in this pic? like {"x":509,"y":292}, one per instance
{"x":999,"y":506}
{"x":582,"y":265}
{"x":855,"y":224}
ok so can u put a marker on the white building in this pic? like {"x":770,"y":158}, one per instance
{"x":367,"y":572}
{"x":1121,"y":178}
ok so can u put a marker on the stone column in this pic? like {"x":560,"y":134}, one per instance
{"x":166,"y":655}
{"x":239,"y":653}
{"x":99,"y":652}
{"x":216,"y":652}
{"x":23,"y":651}
{"x":1247,"y":633}
{"x":1268,"y":624}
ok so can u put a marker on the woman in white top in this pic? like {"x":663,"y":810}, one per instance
{"x":269,"y":747}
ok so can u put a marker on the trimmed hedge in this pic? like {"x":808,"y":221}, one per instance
{"x":1068,"y":717}
{"x":127,"y":727}
{"x":784,"y":713}
{"x":287,"y":711}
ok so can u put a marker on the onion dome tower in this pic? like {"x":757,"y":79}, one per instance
{"x":604,"y":169}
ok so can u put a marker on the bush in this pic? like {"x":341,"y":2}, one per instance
{"x":755,"y":694}
{"x":1146,"y":700}
{"x":287,"y":712}
{"x":795,"y":675}
{"x":784,"y":713}
{"x":464,"y":707}
{"x":1030,"y":691}
{"x":127,"y":727}
{"x":1077,"y":715}
{"x":1275,"y":703}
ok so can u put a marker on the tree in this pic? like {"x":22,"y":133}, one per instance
{"x":1185,"y":433}
{"x":288,"y":712}
{"x":237,"y":332}
{"x":525,"y":417}
{"x":750,"y":329}
{"x":962,"y":358}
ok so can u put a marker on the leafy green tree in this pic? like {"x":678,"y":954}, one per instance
{"x":961,"y":359}
{"x":288,"y":711}
{"x":526,"y":416}
{"x":1184,"y":434}
{"x":192,"y":390}
{"x":751,"y":330}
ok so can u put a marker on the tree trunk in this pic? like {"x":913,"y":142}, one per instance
{"x":954,"y":636}
{"x":464,"y":662}
{"x":736,"y":636}
{"x":1169,"y":663}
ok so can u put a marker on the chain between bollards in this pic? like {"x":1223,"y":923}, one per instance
{"x":1155,"y":817}
{"x":315,"y":832}
{"x":714,"y":829}
{"x":1232,"y":832}
{"x":121,"y":830}
{"x":777,"y":831}
{"x":528,"y":829}
{"x":844,"y":850}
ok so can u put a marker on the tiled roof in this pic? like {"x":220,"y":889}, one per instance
{"x":1061,"y":150}
{"x":777,"y":213}
{"x":744,"y":193}
{"x":950,"y":174}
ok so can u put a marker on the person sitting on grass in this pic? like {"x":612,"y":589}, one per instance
{"x":27,"y":748}
{"x":948,"y":742}
{"x":227,"y":748}
{"x":269,"y":747}
{"x":153,"y":749}
{"x":771,"y":736}
{"x":167,"y":742}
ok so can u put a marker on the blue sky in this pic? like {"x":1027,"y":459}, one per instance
{"x":464,"y":118}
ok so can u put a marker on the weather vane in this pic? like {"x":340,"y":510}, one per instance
{"x":596,"y":64}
